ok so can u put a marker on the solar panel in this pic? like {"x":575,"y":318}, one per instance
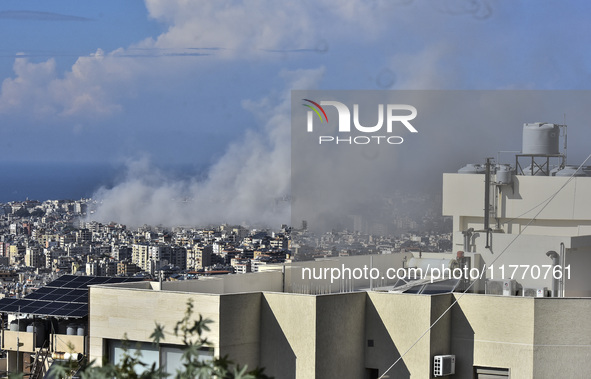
{"x":44,"y":290}
{"x":50,"y":297}
{"x":444,"y":286}
{"x":415,"y":289}
{"x":11,"y":308}
{"x":96,"y":280}
{"x":61,"y":291}
{"x":60,"y":312}
{"x":66,"y":296}
{"x":78,"y":313}
{"x":35,"y":295}
{"x":58,"y":283}
{"x":81,"y":299}
{"x":30,"y":308}
{"x":402,"y":282}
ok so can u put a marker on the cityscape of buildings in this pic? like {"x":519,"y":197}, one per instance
{"x":42,"y":240}
{"x":342,"y":304}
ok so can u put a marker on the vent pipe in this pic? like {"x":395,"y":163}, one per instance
{"x":555,"y":262}
{"x":487,"y":201}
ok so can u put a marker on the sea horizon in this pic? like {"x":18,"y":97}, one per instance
{"x":67,"y":180}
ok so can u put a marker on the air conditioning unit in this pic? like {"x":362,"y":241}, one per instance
{"x":444,"y":365}
{"x":501,"y":287}
{"x":509,"y":287}
{"x":535,"y":292}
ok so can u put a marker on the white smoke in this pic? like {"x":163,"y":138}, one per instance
{"x":249,"y":184}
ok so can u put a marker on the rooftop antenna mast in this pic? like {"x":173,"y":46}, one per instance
{"x":487,"y":201}
{"x":564,"y":148}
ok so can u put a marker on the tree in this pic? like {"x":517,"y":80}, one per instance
{"x":22,"y":212}
{"x":193,"y":367}
{"x":37,"y":212}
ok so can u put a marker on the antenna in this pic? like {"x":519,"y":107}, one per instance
{"x":564,"y":126}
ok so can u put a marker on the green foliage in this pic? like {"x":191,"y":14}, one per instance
{"x":22,"y":212}
{"x":37,"y":212}
{"x":194,"y":367}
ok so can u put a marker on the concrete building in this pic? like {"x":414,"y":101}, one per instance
{"x":127,"y":268}
{"x":34,"y":257}
{"x":140,"y":255}
{"x":199,"y":256}
{"x":517,"y":232}
{"x":564,"y":225}
{"x":261,"y":320}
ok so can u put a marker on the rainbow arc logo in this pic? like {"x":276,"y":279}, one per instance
{"x":316,"y":110}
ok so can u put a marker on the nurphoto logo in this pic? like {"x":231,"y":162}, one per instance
{"x":394,"y":114}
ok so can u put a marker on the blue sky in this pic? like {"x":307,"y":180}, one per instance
{"x":170,"y":82}
{"x":174,"y":76}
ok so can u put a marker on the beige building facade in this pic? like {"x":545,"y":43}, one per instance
{"x":356,"y":334}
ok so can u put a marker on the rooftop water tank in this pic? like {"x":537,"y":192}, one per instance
{"x":14,"y":326}
{"x":540,"y":138}
{"x":571,"y":171}
{"x":472,"y":169}
{"x":39,"y":329}
{"x":504,"y":174}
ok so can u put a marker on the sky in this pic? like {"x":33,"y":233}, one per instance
{"x":163,"y":83}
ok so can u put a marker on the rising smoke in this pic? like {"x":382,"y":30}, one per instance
{"x":252,"y":182}
{"x":249,"y":184}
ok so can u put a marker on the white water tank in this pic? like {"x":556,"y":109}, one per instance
{"x":39,"y":329}
{"x":504,"y":174}
{"x":72,"y":330}
{"x":472,"y":169}
{"x":14,"y":326}
{"x":541,"y":138}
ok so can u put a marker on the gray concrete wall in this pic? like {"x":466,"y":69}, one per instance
{"x":394,"y":322}
{"x":579,"y":283}
{"x":493,"y":331}
{"x":440,"y":334}
{"x":240,"y":316}
{"x":340,"y":335}
{"x":288,"y":329}
{"x":562,"y":338}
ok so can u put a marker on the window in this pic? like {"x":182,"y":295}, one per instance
{"x":148,"y":351}
{"x":168,"y":357}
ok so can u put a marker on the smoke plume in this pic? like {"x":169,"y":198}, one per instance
{"x":250,"y":184}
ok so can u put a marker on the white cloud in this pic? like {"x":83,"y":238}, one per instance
{"x":239,"y":27}
{"x":95,"y":84}
{"x":91,"y":88}
{"x":429,"y":68}
{"x":251,"y":27}
{"x":28,"y":87}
